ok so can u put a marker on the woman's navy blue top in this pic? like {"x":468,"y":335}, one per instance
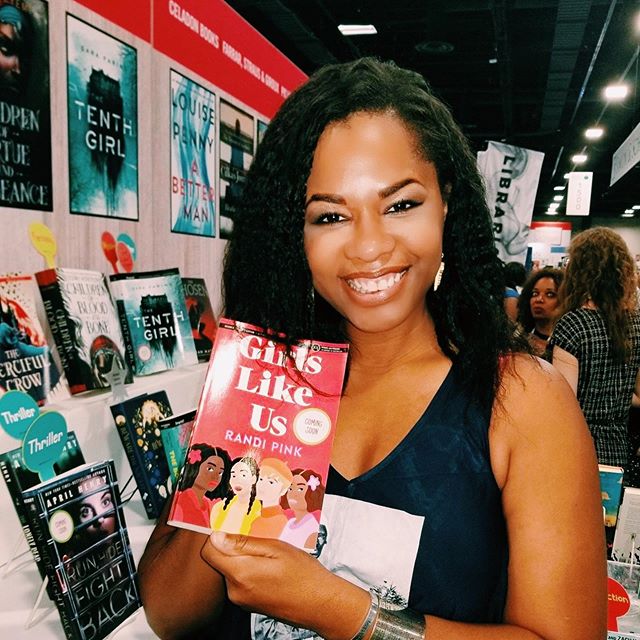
{"x":424,"y":527}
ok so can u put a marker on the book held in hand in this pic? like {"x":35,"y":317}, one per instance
{"x":154,"y":320}
{"x":85,"y":326}
{"x":26,"y":363}
{"x":78,"y":524}
{"x":259,"y":452}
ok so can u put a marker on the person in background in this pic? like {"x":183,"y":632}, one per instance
{"x":452,"y":509}
{"x":514,"y":277}
{"x":538,"y":308}
{"x":596,"y":341}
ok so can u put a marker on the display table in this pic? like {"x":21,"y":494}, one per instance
{"x":89,"y":416}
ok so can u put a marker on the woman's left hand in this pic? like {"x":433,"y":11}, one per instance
{"x":276,"y":579}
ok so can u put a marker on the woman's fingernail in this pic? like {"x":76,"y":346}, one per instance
{"x":218,"y":538}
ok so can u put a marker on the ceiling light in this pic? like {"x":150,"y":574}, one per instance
{"x":616,"y":92}
{"x":356,"y":29}
{"x":628,"y":210}
{"x":558,"y":198}
{"x":553,"y":206}
{"x":627,"y":215}
{"x":566,"y":176}
{"x":579,"y":158}
{"x":559,"y":188}
{"x":594,"y":133}
{"x":636,"y":206}
{"x":551,"y":212}
{"x":493,"y":60}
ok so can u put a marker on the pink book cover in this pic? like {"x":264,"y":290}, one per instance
{"x":259,"y":452}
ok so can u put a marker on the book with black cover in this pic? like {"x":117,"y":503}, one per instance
{"x":18,"y":479}
{"x":26,"y":362}
{"x":154,"y":320}
{"x":79,"y":527}
{"x":85,"y":326}
{"x":137,"y":420}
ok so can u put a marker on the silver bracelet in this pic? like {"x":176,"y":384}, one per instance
{"x":401,"y":624}
{"x":372,"y":616}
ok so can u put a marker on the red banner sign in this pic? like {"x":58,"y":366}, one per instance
{"x":214,"y":41}
{"x":132,"y":15}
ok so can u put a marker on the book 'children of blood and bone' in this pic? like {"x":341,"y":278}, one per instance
{"x":84,"y":325}
{"x":259,"y":452}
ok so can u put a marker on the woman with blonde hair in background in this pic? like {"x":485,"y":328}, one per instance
{"x":596,"y":342}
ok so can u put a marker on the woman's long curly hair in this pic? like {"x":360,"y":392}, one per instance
{"x":266,"y":279}
{"x":602,"y":270}
{"x":525,"y":317}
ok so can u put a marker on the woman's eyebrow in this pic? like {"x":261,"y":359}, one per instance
{"x":325,"y":197}
{"x":396,"y":186}
{"x":333,"y":198}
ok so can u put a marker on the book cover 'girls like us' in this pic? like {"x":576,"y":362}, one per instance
{"x":259,"y":452}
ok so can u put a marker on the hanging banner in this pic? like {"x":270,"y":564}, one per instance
{"x":135,"y":17}
{"x":511,"y":176}
{"x":626,"y":156}
{"x":579,"y":193}
{"x":211,"y":39}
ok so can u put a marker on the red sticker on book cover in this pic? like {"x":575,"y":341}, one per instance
{"x":618,"y":603}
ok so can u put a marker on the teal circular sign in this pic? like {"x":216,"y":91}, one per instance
{"x":43,"y":443}
{"x":17,"y":411}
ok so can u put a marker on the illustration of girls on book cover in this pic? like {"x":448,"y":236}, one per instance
{"x":265,"y":499}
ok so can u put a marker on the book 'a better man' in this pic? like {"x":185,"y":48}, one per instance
{"x":259,"y":452}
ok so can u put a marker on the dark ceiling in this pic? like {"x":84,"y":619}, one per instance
{"x":552,"y":59}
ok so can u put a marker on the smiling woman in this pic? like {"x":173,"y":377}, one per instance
{"x":363,"y":185}
{"x":373,"y":223}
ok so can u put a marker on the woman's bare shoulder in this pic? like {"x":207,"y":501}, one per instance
{"x":535,"y":411}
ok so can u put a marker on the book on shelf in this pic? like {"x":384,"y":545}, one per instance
{"x":201,"y":317}
{"x":626,"y":540}
{"x":138,"y":422}
{"x":85,"y":327}
{"x":259,"y":452}
{"x":175,"y":432}
{"x":26,"y":362}
{"x":19,"y":478}
{"x":611,"y":491}
{"x":79,"y":527}
{"x":154,"y":319}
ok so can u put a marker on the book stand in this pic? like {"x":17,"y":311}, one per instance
{"x":17,"y":561}
{"x":17,"y":558}
{"x":36,"y":615}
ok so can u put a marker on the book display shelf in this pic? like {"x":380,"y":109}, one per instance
{"x":90,"y":417}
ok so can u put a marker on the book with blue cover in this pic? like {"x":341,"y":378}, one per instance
{"x":611,"y":489}
{"x":102,"y":106}
{"x":175,"y":432}
{"x":154,"y":320}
